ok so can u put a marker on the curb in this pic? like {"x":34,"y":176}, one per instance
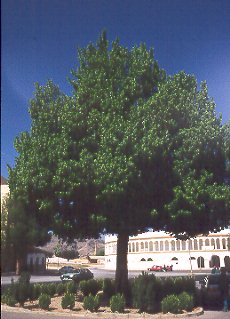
{"x":108,"y":315}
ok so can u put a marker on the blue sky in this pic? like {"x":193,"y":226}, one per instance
{"x":40,"y":40}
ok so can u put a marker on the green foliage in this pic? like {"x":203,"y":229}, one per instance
{"x":60,"y":289}
{"x":146,"y":292}
{"x":171,"y":303}
{"x":126,"y":128}
{"x":117,"y":303}
{"x":186,"y":301}
{"x":45,"y":288}
{"x":91,"y":303}
{"x":108,"y":288}
{"x":68,"y":301}
{"x":35,"y":291}
{"x":24,"y":278}
{"x":22,"y":291}
{"x":8,"y":298}
{"x":51,"y":289}
{"x":44,"y":301}
{"x":71,"y":287}
{"x":91,"y":286}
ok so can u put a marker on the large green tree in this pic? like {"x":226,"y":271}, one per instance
{"x":130,"y":149}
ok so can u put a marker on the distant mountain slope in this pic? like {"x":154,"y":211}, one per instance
{"x":84,"y":247}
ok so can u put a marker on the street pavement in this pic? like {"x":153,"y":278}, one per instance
{"x":46,"y":315}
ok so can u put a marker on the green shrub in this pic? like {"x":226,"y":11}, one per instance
{"x":35,"y":291}
{"x":45,"y":289}
{"x":146,"y":292}
{"x":60,"y":289}
{"x":91,"y":303}
{"x":117,"y":303}
{"x":22,"y":292}
{"x":168,"y":287}
{"x":186,"y":301}
{"x":94,"y":286}
{"x":108,"y":288}
{"x":71,"y":287}
{"x":8,"y":298}
{"x":51,"y":289}
{"x":44,"y":301}
{"x":91,"y":286}
{"x":171,"y":303}
{"x":24,"y":277}
{"x":83,"y":286}
{"x":68,"y":301}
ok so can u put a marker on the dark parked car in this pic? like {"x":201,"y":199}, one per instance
{"x":210,"y":289}
{"x":77,"y":275}
{"x":66,"y":269}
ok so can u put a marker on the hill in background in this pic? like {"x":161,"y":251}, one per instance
{"x":87,"y":247}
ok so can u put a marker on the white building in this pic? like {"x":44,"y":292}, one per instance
{"x":159,"y":248}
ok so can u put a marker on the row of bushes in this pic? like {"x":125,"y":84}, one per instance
{"x":146,"y":293}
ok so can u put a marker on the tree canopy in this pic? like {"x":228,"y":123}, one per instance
{"x":130,"y":149}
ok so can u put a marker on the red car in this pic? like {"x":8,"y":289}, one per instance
{"x":156,"y":268}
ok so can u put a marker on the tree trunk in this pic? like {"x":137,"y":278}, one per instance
{"x":121,"y":278}
{"x":20,"y":265}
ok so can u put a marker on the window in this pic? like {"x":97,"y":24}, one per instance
{"x":178,"y":244}
{"x":133,"y":247}
{"x":161,"y":246}
{"x":130,"y":248}
{"x":200,"y":244}
{"x":137,"y":246}
{"x":213,"y":243}
{"x":174,"y":258}
{"x":206,"y":242}
{"x":173,"y":245}
{"x":217,"y":243}
{"x":166,"y":245}
{"x":156,"y":246}
{"x":142,"y":246}
{"x":183,"y":245}
{"x":200,"y":262}
{"x":195,"y":244}
{"x":150,"y":246}
{"x":146,"y":246}
{"x":224,"y":243}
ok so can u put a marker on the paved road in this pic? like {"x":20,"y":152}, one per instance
{"x":98,"y":273}
{"x":17,"y":315}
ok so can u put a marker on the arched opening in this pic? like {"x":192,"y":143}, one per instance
{"x":195,"y":244}
{"x":166,"y":245}
{"x":137,"y":246}
{"x":161,"y":246}
{"x":156,"y":246}
{"x":133,"y":247}
{"x":200,"y":262}
{"x":173,"y":245}
{"x":150,"y":246}
{"x":227,"y":263}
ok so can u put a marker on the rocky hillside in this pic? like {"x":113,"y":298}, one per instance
{"x":84,"y":247}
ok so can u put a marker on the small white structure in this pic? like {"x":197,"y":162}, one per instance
{"x":159,"y":248}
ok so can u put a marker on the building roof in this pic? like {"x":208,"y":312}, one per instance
{"x":3,"y":181}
